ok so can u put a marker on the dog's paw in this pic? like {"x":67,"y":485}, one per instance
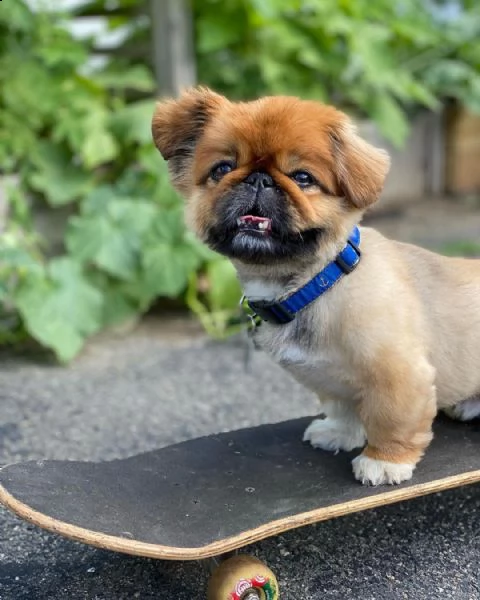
{"x":371,"y":471}
{"x":464,"y":411}
{"x":334,"y":434}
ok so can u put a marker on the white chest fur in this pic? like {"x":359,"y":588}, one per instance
{"x":312,"y":357}
{"x":321,"y":370}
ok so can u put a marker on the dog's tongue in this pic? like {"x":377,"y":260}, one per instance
{"x":254,"y":222}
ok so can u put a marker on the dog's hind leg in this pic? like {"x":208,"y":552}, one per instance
{"x":466,"y":410}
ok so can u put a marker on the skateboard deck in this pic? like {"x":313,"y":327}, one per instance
{"x":211,"y":495}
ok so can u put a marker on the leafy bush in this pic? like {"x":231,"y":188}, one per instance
{"x":76,"y":141}
{"x":378,"y":59}
{"x":71,"y":140}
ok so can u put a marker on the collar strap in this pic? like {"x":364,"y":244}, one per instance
{"x":283,"y":311}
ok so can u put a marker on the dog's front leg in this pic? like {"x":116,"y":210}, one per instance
{"x":397,"y":409}
{"x":340,"y":429}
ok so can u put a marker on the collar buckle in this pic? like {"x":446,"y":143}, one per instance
{"x":348,"y":267}
{"x":273,"y":312}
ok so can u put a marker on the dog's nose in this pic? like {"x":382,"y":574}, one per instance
{"x":260,"y":179}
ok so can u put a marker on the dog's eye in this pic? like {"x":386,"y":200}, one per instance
{"x":221,"y":169}
{"x":302,"y":178}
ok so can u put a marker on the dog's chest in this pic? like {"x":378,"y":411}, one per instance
{"x":322,"y":371}
{"x":307,"y":347}
{"x":312,"y":358}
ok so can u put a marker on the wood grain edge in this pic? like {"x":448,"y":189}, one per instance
{"x":117,"y":544}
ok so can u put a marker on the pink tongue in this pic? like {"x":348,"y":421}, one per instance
{"x":251,"y":219}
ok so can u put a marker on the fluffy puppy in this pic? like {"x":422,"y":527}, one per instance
{"x":277,"y":185}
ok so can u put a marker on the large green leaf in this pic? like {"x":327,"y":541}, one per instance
{"x":98,"y":202}
{"x":167,"y":268}
{"x":118,"y":307}
{"x":99,"y":145}
{"x":61,"y":309}
{"x":101,"y":242}
{"x":56,"y":176}
{"x":168,"y":226}
{"x":112,"y":239}
{"x":132,"y":123}
{"x":224,"y":290}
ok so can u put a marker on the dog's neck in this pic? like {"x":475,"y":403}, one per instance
{"x":274,"y":281}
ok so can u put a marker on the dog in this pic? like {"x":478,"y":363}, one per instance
{"x":385,"y":333}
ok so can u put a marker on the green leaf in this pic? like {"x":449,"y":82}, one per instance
{"x":422,"y":94}
{"x":111,"y":239}
{"x":62,"y":51}
{"x":169,"y":226}
{"x":118,"y":307}
{"x":224,"y":292}
{"x":216,"y":31}
{"x":104,"y":243}
{"x":390,"y":118}
{"x":136,"y":77}
{"x":99,"y":145}
{"x":56,"y":176}
{"x":97,"y":203}
{"x":133,"y":123}
{"x":167,"y":268}
{"x":16,"y":258}
{"x":134,"y":216}
{"x":203,"y":251}
{"x":16,"y":15}
{"x":61,"y":309}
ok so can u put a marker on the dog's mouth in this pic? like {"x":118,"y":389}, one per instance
{"x":243,"y":231}
{"x":252,"y":223}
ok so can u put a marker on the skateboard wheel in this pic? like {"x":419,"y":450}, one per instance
{"x":243,"y":578}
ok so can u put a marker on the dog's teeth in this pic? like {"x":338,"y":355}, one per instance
{"x":263,"y":225}
{"x":239,"y":222}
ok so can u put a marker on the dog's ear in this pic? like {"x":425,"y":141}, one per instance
{"x":176,"y":128}
{"x":360,"y":168}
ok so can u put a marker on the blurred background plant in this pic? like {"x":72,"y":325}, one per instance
{"x":75,"y":140}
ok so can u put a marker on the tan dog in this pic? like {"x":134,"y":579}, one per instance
{"x":277,"y":185}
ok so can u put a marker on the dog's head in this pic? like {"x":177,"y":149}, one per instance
{"x":267,"y":180}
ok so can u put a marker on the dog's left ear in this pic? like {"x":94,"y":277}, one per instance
{"x":360,"y":168}
{"x":176,"y":127}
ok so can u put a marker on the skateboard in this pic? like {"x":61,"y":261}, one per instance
{"x":208,"y":497}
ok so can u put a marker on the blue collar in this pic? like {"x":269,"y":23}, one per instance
{"x":283,"y":311}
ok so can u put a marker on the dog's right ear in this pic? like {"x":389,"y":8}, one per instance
{"x":176,"y":127}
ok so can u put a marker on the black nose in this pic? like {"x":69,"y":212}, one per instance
{"x":260,"y":179}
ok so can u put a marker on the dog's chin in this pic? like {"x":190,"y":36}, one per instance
{"x":256,"y":247}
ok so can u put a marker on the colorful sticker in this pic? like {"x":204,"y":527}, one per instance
{"x":260,"y":582}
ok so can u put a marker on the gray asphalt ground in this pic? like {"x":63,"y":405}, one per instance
{"x":132,"y":394}
{"x":165,"y":383}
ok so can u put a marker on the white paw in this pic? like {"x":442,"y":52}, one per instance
{"x":377,"y":472}
{"x":465,"y":410}
{"x":335,"y":434}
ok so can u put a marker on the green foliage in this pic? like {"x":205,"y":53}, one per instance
{"x":76,"y":141}
{"x":461,"y":248}
{"x":214,"y":296}
{"x":378,"y":59}
{"x":71,"y":139}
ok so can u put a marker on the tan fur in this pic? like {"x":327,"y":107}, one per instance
{"x":395,"y":340}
